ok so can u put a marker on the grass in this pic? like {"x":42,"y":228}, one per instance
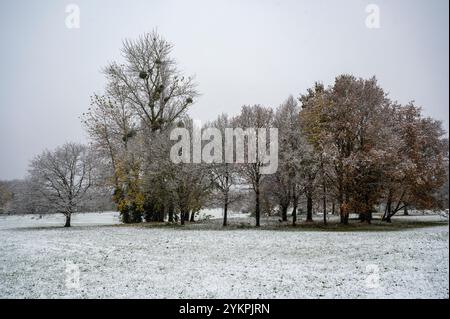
{"x":274,"y":224}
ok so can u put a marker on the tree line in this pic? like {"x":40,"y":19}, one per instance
{"x":347,"y":148}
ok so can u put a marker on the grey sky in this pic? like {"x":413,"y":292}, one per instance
{"x":242,"y":52}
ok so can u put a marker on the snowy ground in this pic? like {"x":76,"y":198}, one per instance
{"x":39,"y":259}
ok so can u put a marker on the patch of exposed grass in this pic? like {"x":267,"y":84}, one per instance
{"x":356,"y":226}
{"x":274,"y":224}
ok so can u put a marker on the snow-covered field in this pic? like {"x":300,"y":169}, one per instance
{"x":40,"y":259}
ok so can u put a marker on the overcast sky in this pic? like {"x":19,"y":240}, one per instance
{"x":241,"y":52}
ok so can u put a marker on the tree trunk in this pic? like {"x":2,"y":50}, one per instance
{"x":192,"y":217}
{"x":162,"y":214}
{"x":333,"y":208}
{"x":67,"y":224}
{"x":284,"y":210}
{"x":257,"y":208}
{"x":405,"y":210}
{"x":344,"y":214}
{"x":345,"y":219}
{"x":324,"y":204}
{"x":309,"y":206}
{"x":294,"y":209}
{"x":340,"y":198}
{"x":388,"y":209}
{"x":387,"y":214}
{"x":225,"y":209}
{"x":294,"y":215}
{"x":344,"y":210}
{"x":170,"y":212}
{"x":369,"y":217}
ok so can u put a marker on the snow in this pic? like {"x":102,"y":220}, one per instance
{"x":56,"y":220}
{"x":138,"y":262}
{"x":217,"y":213}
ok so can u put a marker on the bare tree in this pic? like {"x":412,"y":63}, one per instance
{"x":223,"y":174}
{"x":150,"y":81}
{"x":283,"y":184}
{"x":258,"y":117}
{"x":190,"y":184}
{"x":63,"y":177}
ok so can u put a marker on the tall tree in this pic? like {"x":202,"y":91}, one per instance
{"x":344,"y":122}
{"x":144,"y":95}
{"x":416,"y":168}
{"x":255,"y":117}
{"x":223,"y":174}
